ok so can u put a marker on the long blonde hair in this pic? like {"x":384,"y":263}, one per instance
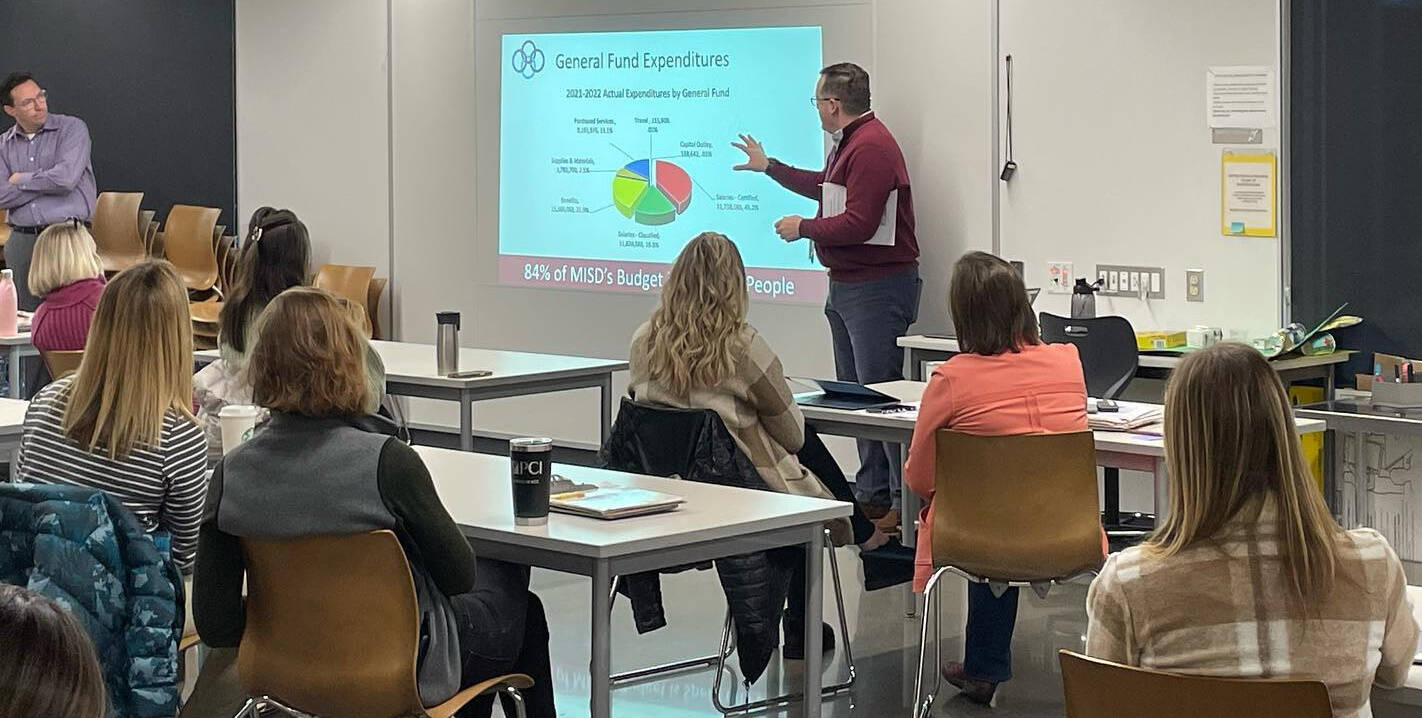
{"x":694,"y":335}
{"x":138,"y":362}
{"x":1231,"y":443}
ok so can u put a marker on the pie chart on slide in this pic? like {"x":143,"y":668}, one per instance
{"x":651,"y":191}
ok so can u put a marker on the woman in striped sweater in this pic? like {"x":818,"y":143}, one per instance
{"x":123,"y":423}
{"x":67,"y":272}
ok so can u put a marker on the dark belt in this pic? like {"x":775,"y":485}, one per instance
{"x":42,"y":227}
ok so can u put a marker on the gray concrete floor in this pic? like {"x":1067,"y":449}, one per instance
{"x":885,"y":646}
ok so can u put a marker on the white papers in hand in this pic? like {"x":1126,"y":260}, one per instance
{"x":832,"y":203}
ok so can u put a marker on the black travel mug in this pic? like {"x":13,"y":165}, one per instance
{"x":531,"y":460}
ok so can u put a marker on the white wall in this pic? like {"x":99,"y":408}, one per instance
{"x":312,"y":130}
{"x":324,"y":111}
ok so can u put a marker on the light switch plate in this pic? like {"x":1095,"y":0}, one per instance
{"x":1131,"y":281}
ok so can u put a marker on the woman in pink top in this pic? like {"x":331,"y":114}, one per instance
{"x":1005,"y":382}
{"x":67,"y":272}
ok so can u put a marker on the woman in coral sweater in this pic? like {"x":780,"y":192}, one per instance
{"x":1005,"y":382}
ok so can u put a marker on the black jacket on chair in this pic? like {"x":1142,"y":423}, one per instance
{"x":695,"y":445}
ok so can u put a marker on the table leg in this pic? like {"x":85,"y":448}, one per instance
{"x":1162,"y":492}
{"x":1330,"y":382}
{"x":466,"y":421}
{"x":814,"y":602}
{"x":600,"y":665}
{"x":605,"y":387}
{"x":12,"y":362}
{"x":915,"y":371}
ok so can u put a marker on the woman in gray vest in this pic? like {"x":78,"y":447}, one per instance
{"x":315,"y":471}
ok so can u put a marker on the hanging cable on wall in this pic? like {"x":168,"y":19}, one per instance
{"x":1009,"y":167}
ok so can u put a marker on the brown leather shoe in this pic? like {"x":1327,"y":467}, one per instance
{"x":980,"y":692}
{"x":890,"y":522}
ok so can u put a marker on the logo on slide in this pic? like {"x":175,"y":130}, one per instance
{"x":528,"y":60}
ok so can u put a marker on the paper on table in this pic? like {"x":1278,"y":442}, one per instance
{"x":832,"y":203}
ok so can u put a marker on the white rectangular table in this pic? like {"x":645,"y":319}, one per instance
{"x":410,"y":370}
{"x":922,"y":348}
{"x":715,"y":522}
{"x":12,"y":417}
{"x":1114,"y":449}
{"x":16,"y":348}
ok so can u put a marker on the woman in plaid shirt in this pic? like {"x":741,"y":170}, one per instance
{"x":1250,"y":576}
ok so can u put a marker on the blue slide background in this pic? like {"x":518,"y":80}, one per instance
{"x":547,"y":213}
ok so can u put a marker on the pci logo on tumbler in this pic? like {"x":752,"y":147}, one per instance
{"x":528,"y":60}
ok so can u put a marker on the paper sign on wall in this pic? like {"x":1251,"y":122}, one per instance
{"x":1248,"y":192}
{"x":1242,"y":96}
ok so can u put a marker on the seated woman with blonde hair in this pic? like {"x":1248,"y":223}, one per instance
{"x":698,"y":351}
{"x":67,"y":272}
{"x":1250,"y":576}
{"x":123,"y":423}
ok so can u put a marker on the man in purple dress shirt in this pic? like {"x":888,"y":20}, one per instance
{"x":45,"y":174}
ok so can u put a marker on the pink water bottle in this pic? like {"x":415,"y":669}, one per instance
{"x":9,"y":317}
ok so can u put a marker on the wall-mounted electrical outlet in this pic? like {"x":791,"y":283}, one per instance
{"x":1060,"y":278}
{"x":1194,"y":285}
{"x":1129,"y":281}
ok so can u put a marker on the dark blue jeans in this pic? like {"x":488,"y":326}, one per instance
{"x":987,"y":647}
{"x":502,"y":629}
{"x":866,"y":320}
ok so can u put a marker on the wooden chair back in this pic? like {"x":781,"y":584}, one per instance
{"x":1017,"y":508}
{"x":1094,"y":688}
{"x":117,"y":231}
{"x":187,"y":243}
{"x":332,"y":625}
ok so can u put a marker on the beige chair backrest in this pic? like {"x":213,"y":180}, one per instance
{"x":343,"y":280}
{"x":332,"y":625}
{"x":1017,"y":508}
{"x":117,"y":232}
{"x":372,"y":305}
{"x":187,"y":243}
{"x":61,"y":363}
{"x":1095,"y":688}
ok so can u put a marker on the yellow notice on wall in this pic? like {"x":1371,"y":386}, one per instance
{"x":1249,"y":184}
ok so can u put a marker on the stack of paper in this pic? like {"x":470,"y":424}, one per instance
{"x":1129,"y":415}
{"x":612,"y":502}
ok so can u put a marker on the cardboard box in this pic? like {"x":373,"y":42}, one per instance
{"x":1155,"y":341}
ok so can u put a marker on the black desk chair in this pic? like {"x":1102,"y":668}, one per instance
{"x":1107,"y":346}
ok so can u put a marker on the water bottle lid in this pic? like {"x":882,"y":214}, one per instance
{"x":7,"y":273}
{"x":448,"y":318}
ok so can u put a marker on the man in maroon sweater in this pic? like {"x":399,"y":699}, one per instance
{"x":873,"y":288}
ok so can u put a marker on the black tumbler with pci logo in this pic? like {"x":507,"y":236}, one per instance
{"x":531,"y":460}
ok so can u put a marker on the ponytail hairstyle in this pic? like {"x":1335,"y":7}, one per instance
{"x":276,"y":256}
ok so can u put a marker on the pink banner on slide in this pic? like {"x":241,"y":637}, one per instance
{"x":799,"y":286}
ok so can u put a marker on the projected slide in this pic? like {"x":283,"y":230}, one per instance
{"x":615,"y":150}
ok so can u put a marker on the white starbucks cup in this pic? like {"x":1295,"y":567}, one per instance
{"x":238,"y":421}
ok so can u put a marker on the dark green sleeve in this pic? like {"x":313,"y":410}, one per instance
{"x":217,"y":577}
{"x":409,"y":494}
